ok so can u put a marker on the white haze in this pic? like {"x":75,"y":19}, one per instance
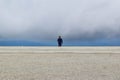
{"x":47,"y":19}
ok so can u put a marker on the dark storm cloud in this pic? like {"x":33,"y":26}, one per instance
{"x":46,"y":19}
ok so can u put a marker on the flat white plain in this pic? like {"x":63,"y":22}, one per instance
{"x":59,"y":63}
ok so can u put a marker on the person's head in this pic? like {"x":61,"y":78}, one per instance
{"x":59,"y":36}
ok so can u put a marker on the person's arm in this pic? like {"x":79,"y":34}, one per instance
{"x":62,"y":41}
{"x":58,"y":40}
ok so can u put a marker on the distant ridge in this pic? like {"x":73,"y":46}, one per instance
{"x":66,"y":43}
{"x":20,"y":43}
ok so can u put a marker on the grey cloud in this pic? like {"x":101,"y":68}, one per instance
{"x":46,"y":19}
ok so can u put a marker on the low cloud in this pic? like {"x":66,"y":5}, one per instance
{"x":47,"y":19}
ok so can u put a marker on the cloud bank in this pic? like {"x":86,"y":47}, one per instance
{"x":72,"y":19}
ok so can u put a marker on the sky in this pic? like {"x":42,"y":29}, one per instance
{"x":74,"y":20}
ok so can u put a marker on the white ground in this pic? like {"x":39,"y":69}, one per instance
{"x":55,"y":63}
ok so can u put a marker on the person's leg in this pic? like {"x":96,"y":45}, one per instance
{"x":59,"y":44}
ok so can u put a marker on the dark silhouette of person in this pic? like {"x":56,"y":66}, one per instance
{"x":60,"y":41}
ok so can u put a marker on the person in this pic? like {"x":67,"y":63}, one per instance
{"x":60,"y":41}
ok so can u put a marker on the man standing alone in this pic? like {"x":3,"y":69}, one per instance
{"x":60,"y":41}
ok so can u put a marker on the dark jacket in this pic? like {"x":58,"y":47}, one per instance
{"x":60,"y":40}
